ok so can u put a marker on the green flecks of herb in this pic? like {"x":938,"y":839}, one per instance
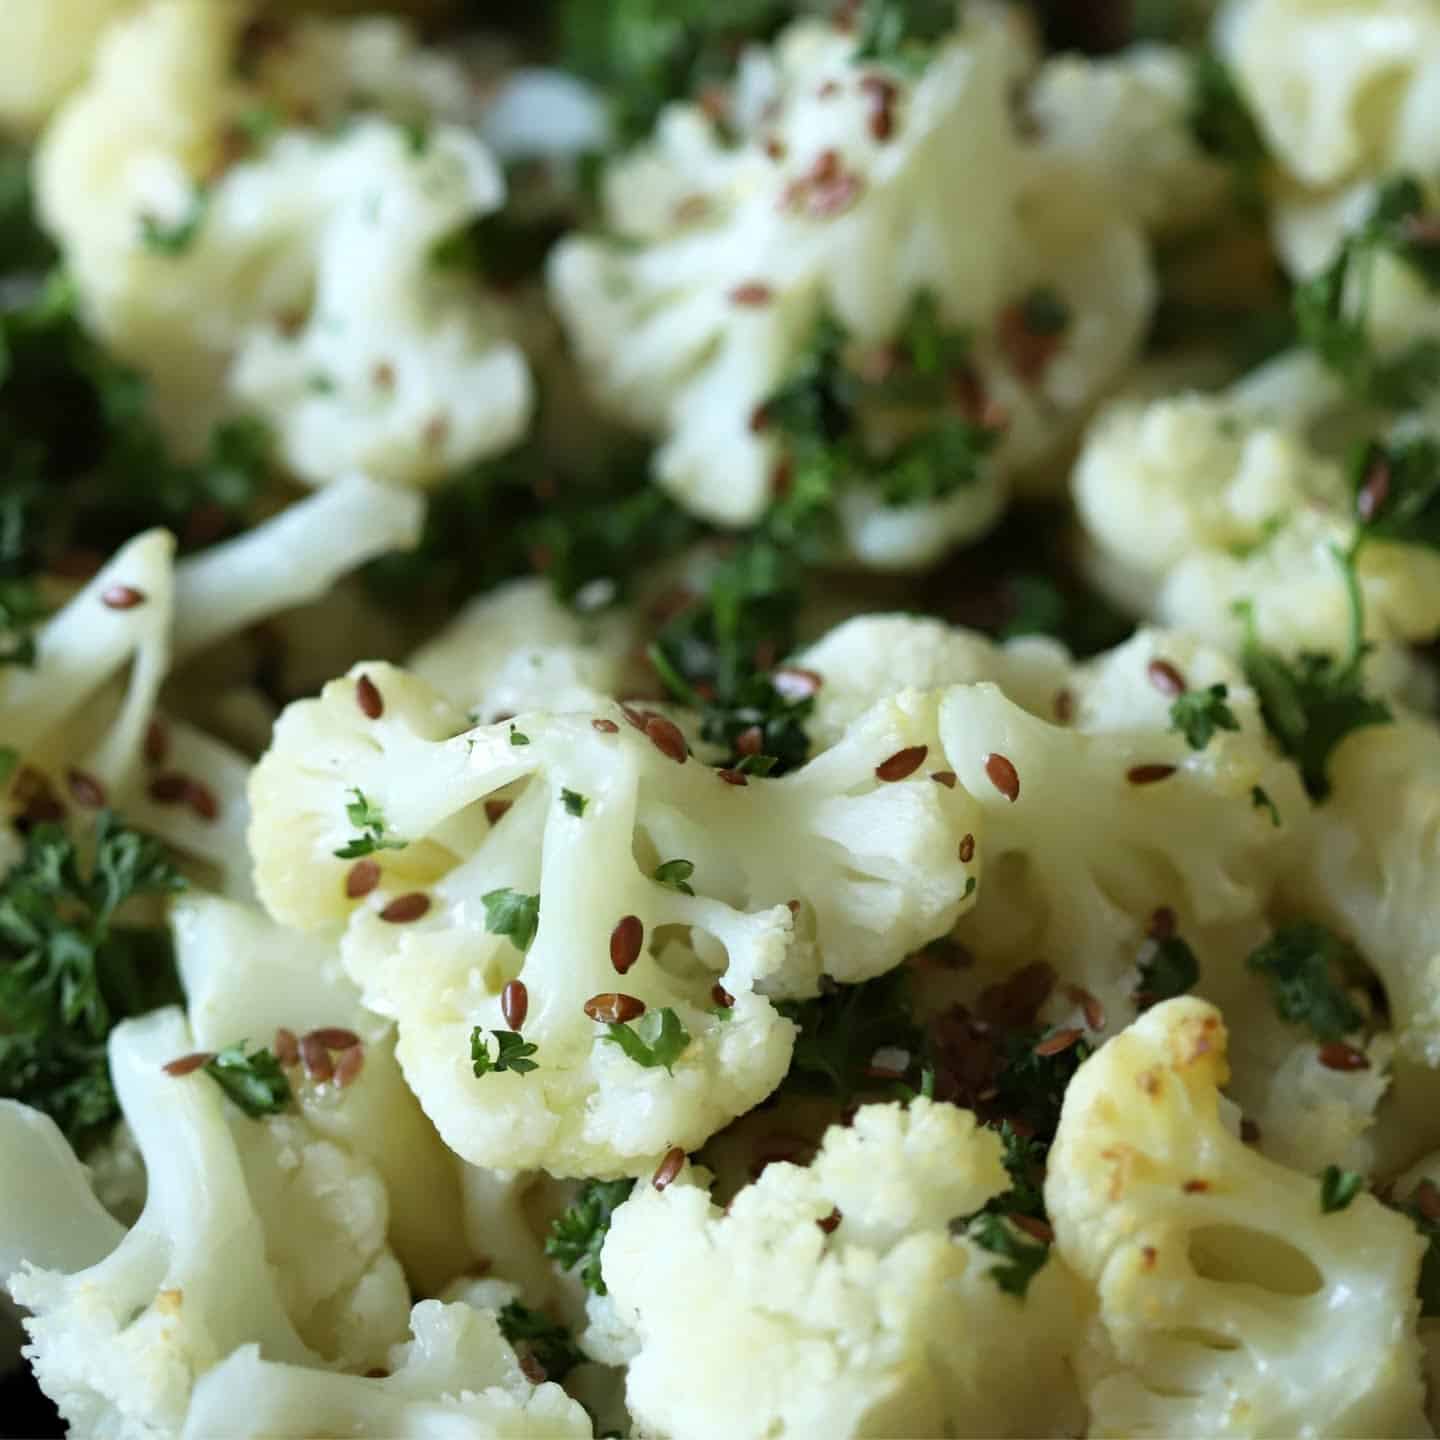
{"x":1024,"y":1258}
{"x":1168,"y":968}
{"x":369,"y":819}
{"x":173,"y":238}
{"x":1306,"y":967}
{"x":657,"y":1039}
{"x":1199,"y":714}
{"x":723,"y":1013}
{"x":508,"y":912}
{"x":573,"y":802}
{"x":417,"y":135}
{"x":902,"y":33}
{"x":578,"y":1235}
{"x":21,"y":610}
{"x":1338,"y":1188}
{"x":676,"y":874}
{"x":512,"y":1052}
{"x":1397,"y":490}
{"x":259,"y":125}
{"x":1030,"y":1087}
{"x":1222,"y":126}
{"x":1260,"y":800}
{"x":551,"y":1344}
{"x":254,"y":1081}
{"x":518,"y":737}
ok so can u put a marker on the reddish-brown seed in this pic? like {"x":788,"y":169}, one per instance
{"x":383,"y":375}
{"x":796,"y":684}
{"x":86,"y":789}
{"x":720,"y":996}
{"x":188,"y":1064}
{"x":634,"y":716}
{"x":782,"y":477}
{"x":495,"y":810}
{"x":967,"y":849}
{"x":530,"y":1367}
{"x":1003,"y":776}
{"x":1090,"y":1007}
{"x":377,"y":1373}
{"x":605,"y":727}
{"x":611,"y":1008}
{"x":1064,"y":706}
{"x":122,"y":597}
{"x":368,"y":698}
{"x":349,"y":1066}
{"x":287,"y":1047}
{"x":1195,"y":1187}
{"x":945,"y":778}
{"x":1337,"y":1055}
{"x":1028,"y":351}
{"x":201,"y":799}
{"x":759,"y":419}
{"x":902,"y":763}
{"x":157,"y":743}
{"x":1165,"y":677}
{"x":775,"y":148}
{"x":405,"y":908}
{"x":437,"y":431}
{"x":1162,"y":923}
{"x":733,"y":777}
{"x":318,"y":1064}
{"x":626,"y":940}
{"x":1149,"y":774}
{"x":752,"y":293}
{"x":1374,"y":490}
{"x":882,"y":93}
{"x":1037,"y":1229}
{"x":1057,"y":1042}
{"x":1148,"y":1256}
{"x":362,"y":877}
{"x":334,"y":1037}
{"x":831,"y":1222}
{"x":750,"y":741}
{"x":168,"y":789}
{"x":515,"y":1004}
{"x":1427,"y":1199}
{"x":669,"y":1167}
{"x":1249,"y":1132}
{"x":665,"y":735}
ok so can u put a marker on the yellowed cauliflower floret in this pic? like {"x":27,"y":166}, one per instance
{"x":305,"y":292}
{"x":822,"y":211}
{"x":886,"y":1325}
{"x":1230,"y":1303}
{"x":48,"y":48}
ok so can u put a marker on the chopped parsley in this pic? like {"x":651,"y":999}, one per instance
{"x":1397,"y":490}
{"x":573,"y":802}
{"x":175,"y":237}
{"x":508,"y":912}
{"x":1199,"y":714}
{"x":552,"y":1345}
{"x":518,"y":737}
{"x":903,"y":33}
{"x":1223,"y":127}
{"x":512,"y":1052}
{"x":370,"y":820}
{"x":1338,"y":1188}
{"x":1260,"y":800}
{"x":254,"y":1081}
{"x":658,"y":1038}
{"x":577,"y":1236}
{"x":69,"y":972}
{"x":1168,"y":968}
{"x":676,"y":874}
{"x":1307,"y":967}
{"x":1024,"y":1258}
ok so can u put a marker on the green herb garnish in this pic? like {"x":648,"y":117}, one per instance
{"x":512,"y":1052}
{"x":658,"y":1038}
{"x":508,"y":912}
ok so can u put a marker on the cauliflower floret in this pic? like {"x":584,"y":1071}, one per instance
{"x":843,"y":200}
{"x":518,"y":648}
{"x":835,"y":868}
{"x":882,"y":1324}
{"x":48,"y":48}
{"x":307,"y":264}
{"x":1230,"y":1302}
{"x":456,"y":1376}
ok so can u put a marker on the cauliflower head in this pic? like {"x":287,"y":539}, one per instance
{"x":840,"y":1294}
{"x":1230,"y":1302}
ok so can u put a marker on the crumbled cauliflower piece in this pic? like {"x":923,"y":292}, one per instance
{"x":48,"y":48}
{"x":732,"y":252}
{"x":456,"y":1376}
{"x":305,"y":263}
{"x":1230,"y":1302}
{"x":883,"y":1324}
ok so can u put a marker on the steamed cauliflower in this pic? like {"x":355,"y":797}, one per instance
{"x":1230,"y":1302}
{"x":853,"y":192}
{"x":291,"y":275}
{"x":842,"y":1300}
{"x":48,"y":48}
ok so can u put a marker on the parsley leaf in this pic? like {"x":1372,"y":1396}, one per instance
{"x":512,"y":1052}
{"x":1338,"y":1188}
{"x":1305,"y":965}
{"x":1024,"y":1257}
{"x":255,"y":1082}
{"x":676,"y":874}
{"x":1260,"y":800}
{"x":69,"y":973}
{"x":518,"y":737}
{"x":1168,"y":968}
{"x":657,"y":1038}
{"x":577,"y":1236}
{"x":552,"y":1345}
{"x":368,"y":818}
{"x":1397,"y":490}
{"x":574,"y":803}
{"x":1199,"y":714}
{"x":176,"y":237}
{"x":508,"y":912}
{"x":903,"y":32}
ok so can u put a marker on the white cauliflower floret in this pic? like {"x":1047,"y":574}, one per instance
{"x":852,"y":191}
{"x":871,"y":865}
{"x":306,"y":263}
{"x":457,"y":1376}
{"x":1230,"y":1302}
{"x":518,"y":648}
{"x":840,"y":1299}
{"x":48,"y":48}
